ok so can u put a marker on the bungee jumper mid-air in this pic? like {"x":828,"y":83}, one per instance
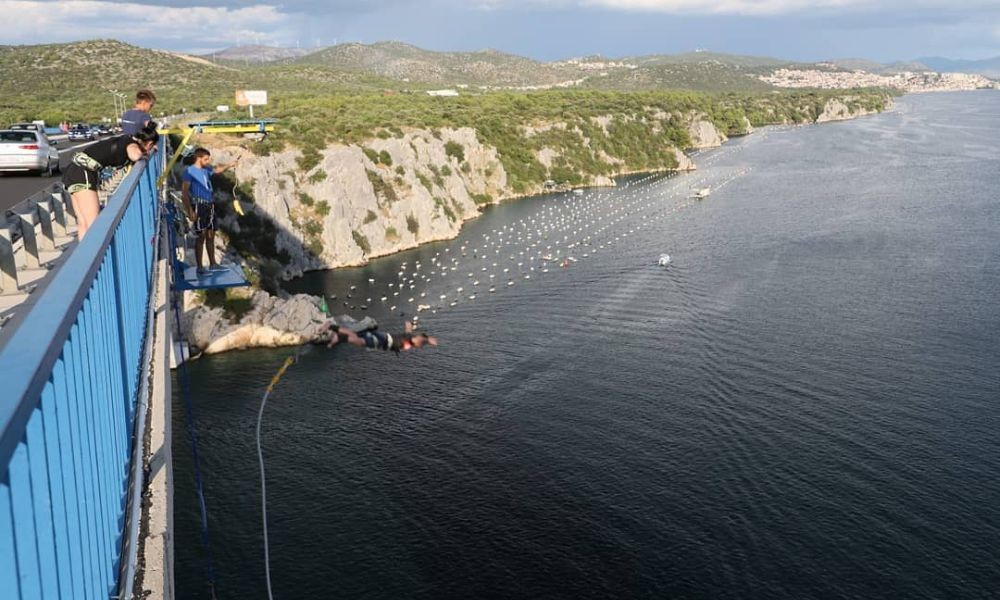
{"x":373,"y":339}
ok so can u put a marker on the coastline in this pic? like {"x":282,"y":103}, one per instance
{"x":611,"y":178}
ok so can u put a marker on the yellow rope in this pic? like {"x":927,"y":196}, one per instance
{"x":281,"y":372}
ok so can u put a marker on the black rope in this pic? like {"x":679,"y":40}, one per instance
{"x":190,"y":419}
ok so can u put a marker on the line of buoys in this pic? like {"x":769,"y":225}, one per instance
{"x":582,"y":224}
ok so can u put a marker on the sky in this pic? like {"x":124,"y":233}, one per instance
{"x":807,"y":30}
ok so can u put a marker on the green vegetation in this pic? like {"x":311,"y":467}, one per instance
{"x":370,"y":217}
{"x":455,"y":150}
{"x":256,"y":242}
{"x":482,"y":199}
{"x":235,"y":303}
{"x":318,"y":177}
{"x":425,"y":182}
{"x":309,"y":159}
{"x":371,"y":154}
{"x":311,"y":227}
{"x":391,"y":234}
{"x":385,"y":158}
{"x":442,"y":204}
{"x":499,"y":119}
{"x":383,"y":191}
{"x":361,"y":241}
{"x":306,"y":199}
{"x":322,"y":208}
{"x":412,"y":225}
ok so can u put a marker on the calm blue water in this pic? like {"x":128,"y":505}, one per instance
{"x":805,"y":404}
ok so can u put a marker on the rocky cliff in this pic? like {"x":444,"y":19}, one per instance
{"x":837,"y":109}
{"x":395,"y":192}
{"x":270,"y":322}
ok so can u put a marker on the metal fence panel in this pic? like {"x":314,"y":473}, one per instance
{"x":70,"y":376}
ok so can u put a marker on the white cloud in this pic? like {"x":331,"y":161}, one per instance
{"x":742,"y":7}
{"x":32,"y":22}
{"x":722,"y":7}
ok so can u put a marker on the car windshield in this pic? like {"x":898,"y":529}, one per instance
{"x":17,"y":137}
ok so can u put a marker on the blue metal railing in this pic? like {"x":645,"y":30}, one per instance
{"x":69,"y":381}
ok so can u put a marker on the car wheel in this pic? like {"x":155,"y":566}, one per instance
{"x":47,"y":171}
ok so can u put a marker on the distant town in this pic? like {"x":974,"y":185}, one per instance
{"x":927,"y":81}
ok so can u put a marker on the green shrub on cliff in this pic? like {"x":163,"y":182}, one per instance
{"x":361,"y":241}
{"x":455,"y":150}
{"x":425,"y":182}
{"x":412,"y":225}
{"x":445,"y":208}
{"x":383,"y":191}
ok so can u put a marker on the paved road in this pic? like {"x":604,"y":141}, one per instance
{"x":15,"y":187}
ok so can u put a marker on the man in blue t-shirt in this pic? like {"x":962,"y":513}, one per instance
{"x":196,"y":190}
{"x":135,"y":119}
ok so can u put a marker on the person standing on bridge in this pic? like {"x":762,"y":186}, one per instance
{"x":82,"y":177}
{"x":196,"y":190}
{"x":135,"y":119}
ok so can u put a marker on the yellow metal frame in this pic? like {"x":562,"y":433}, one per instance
{"x":177,"y":154}
{"x":189,"y":131}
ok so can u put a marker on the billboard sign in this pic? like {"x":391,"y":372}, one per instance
{"x":251,"y":97}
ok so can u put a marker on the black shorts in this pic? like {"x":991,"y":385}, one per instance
{"x":204,"y":217}
{"x":75,"y":178}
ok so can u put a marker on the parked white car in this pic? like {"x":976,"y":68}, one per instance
{"x":27,"y":150}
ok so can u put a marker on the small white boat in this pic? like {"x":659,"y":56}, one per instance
{"x":702,"y":193}
{"x":664,"y":260}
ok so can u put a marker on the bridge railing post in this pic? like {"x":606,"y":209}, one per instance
{"x":58,"y":212}
{"x":8,"y":266}
{"x":44,"y":210}
{"x":32,"y":258}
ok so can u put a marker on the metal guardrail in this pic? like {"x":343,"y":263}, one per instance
{"x":69,"y":382}
{"x":52,"y":212}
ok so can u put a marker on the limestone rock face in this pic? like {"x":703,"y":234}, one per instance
{"x":684,"y":162}
{"x":350,"y":208}
{"x":703,"y":132}
{"x":272,"y":322}
{"x":836,"y":110}
{"x":392,"y":193}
